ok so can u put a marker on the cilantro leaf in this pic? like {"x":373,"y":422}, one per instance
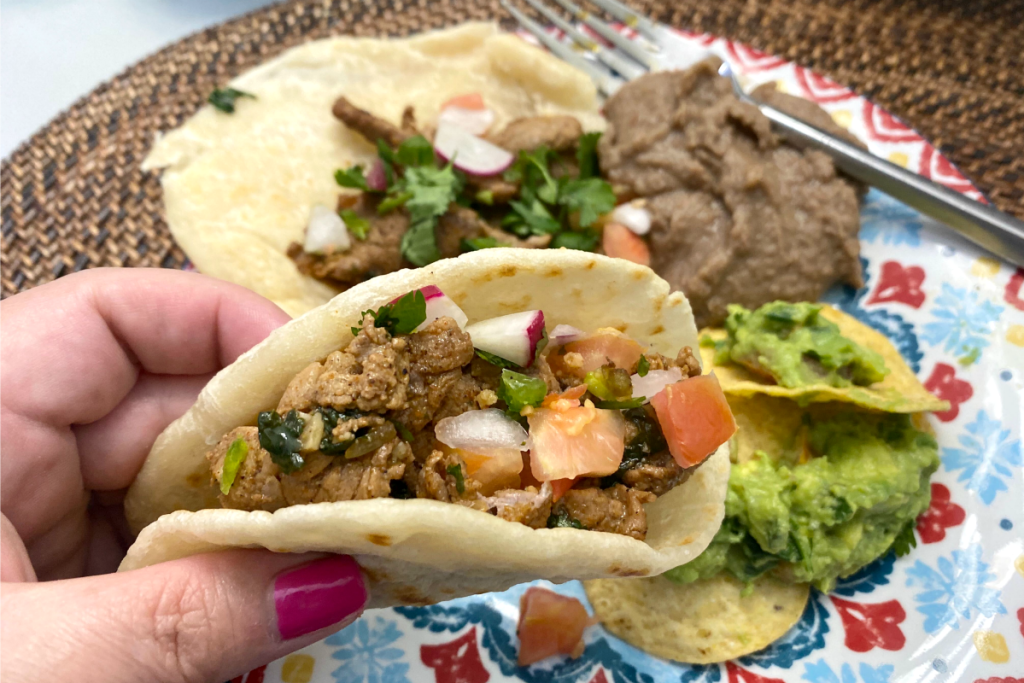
{"x":563,"y":519}
{"x":386,"y":154}
{"x":592,"y":197}
{"x":478,"y":243}
{"x":419,"y":244}
{"x":532,"y":172}
{"x":518,"y":390}
{"x":497,"y":361}
{"x":431,"y":191}
{"x":644,"y":366}
{"x":224,"y":99}
{"x":403,"y":431}
{"x":352,"y":177}
{"x":460,"y":482}
{"x":280,"y":437}
{"x":584,"y":241}
{"x":234,"y":458}
{"x":393,"y":202}
{"x":415,"y":151}
{"x":537,"y":219}
{"x":905,"y":540}
{"x":586,"y":155}
{"x":400,"y":317}
{"x":358,"y":226}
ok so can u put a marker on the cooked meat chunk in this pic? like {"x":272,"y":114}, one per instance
{"x":557,"y":133}
{"x":686,"y":361}
{"x":256,"y":485}
{"x":347,"y":426}
{"x":461,"y":223}
{"x":541,"y":369}
{"x":805,"y":110}
{"x":737,"y":216}
{"x":301,"y":392}
{"x":657,"y":474}
{"x":527,"y":506}
{"x":341,"y":479}
{"x":371,"y":373}
{"x":436,"y":481}
{"x":501,"y":190}
{"x":379,"y":253}
{"x":409,"y":120}
{"x":369,"y":126}
{"x":618,"y":510}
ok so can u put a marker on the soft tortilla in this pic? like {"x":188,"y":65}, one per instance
{"x":900,"y":392}
{"x":423,"y":551}
{"x":239,"y":188}
{"x":702,"y":622}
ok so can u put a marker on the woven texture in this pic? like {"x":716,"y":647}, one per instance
{"x":73,"y":196}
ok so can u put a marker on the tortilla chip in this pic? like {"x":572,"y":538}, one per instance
{"x":697,"y":623}
{"x":899,"y":392}
{"x":423,"y":551}
{"x":769,"y":424}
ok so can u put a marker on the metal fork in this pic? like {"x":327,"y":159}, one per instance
{"x":627,"y":59}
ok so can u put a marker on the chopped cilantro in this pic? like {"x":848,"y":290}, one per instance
{"x":280,"y":437}
{"x":352,"y":177}
{"x":224,"y":99}
{"x":419,"y":244}
{"x":586,"y":155}
{"x":518,"y":390}
{"x":432,"y":191}
{"x":905,"y":539}
{"x":460,"y":482}
{"x":478,"y":243}
{"x":331,"y":417}
{"x":496,"y":360}
{"x":583,"y":241}
{"x":232,"y":461}
{"x":562,"y":519}
{"x":415,"y":151}
{"x":532,"y":172}
{"x":592,"y":197}
{"x":393,"y":202}
{"x":403,"y":431}
{"x":358,"y":226}
{"x":535,"y":219}
{"x":401,"y":317}
{"x":643,"y":367}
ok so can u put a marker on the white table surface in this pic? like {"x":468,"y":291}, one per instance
{"x":54,"y":51}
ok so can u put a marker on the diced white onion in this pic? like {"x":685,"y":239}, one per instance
{"x":325,"y":229}
{"x":563,"y":334}
{"x":475,"y":121}
{"x":480,"y":431}
{"x":633,"y":216}
{"x":654,"y":381}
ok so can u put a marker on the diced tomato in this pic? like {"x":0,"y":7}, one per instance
{"x":560,"y":486}
{"x":597,"y":350}
{"x":575,"y":442}
{"x":550,"y":624}
{"x":695,"y":418}
{"x":497,"y":468}
{"x":570,"y":396}
{"x":621,"y":242}
{"x":473,"y":100}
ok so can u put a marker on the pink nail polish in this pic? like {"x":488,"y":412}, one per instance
{"x":317,"y":595}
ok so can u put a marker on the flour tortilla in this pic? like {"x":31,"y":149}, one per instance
{"x":423,"y":551}
{"x":238,"y":188}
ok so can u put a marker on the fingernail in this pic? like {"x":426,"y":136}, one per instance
{"x":317,"y":595}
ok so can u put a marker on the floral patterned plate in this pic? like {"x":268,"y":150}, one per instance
{"x":953,"y":610}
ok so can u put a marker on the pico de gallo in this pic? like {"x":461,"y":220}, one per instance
{"x":545,"y":427}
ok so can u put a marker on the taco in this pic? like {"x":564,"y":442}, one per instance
{"x":390,"y":424}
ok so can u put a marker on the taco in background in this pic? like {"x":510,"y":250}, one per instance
{"x":390,"y":424}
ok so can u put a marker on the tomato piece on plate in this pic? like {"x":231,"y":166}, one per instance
{"x":575,"y":441}
{"x":621,"y":242}
{"x":598,"y":350}
{"x":694,"y":417}
{"x":549,"y":624}
{"x":473,"y":100}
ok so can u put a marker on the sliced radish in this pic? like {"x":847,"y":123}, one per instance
{"x":325,"y":229}
{"x":513,"y":337}
{"x":475,"y":121}
{"x":439,"y":306}
{"x":377,"y":179}
{"x":563,"y":334}
{"x":633,"y":216}
{"x":654,"y":381}
{"x":468,"y":152}
{"x":481,"y":430}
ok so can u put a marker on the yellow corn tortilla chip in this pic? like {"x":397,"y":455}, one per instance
{"x":899,"y":392}
{"x":697,"y":623}
{"x":770,"y":424}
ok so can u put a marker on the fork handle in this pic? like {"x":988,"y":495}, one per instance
{"x":987,"y":227}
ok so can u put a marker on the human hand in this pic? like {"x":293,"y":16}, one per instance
{"x":93,"y":367}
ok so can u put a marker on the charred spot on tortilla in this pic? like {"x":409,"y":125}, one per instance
{"x":396,"y":413}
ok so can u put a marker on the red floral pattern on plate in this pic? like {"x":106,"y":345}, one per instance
{"x":899,"y":283}
{"x":941,"y":170}
{"x":821,"y":89}
{"x":749,"y":60}
{"x":944,"y":384}
{"x":1012,"y":294}
{"x":884,"y":127}
{"x":940,"y":515}
{"x":254,"y":676}
{"x":738,"y":674}
{"x":870,"y":626}
{"x":457,"y":661}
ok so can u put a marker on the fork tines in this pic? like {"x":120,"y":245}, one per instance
{"x":608,"y":67}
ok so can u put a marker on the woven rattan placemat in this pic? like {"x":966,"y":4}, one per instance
{"x":73,"y":196}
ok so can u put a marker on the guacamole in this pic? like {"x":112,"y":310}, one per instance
{"x":796,"y":346}
{"x":826,"y":518}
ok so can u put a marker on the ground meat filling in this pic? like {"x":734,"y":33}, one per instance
{"x":382,"y":389}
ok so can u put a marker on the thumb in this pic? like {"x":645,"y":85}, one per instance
{"x":203,"y":618}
